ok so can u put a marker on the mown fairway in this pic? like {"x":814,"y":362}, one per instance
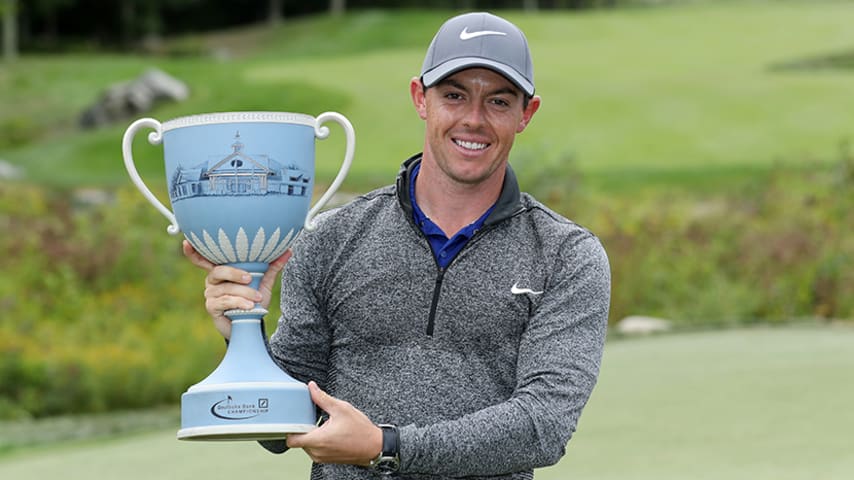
{"x":681,"y":93}
{"x":751,"y":404}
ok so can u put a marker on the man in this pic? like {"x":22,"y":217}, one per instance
{"x":461,"y":315}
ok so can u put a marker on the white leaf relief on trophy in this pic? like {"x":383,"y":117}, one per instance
{"x":241,"y":246}
{"x":200,"y":247}
{"x":257,"y":245}
{"x":214,"y":249}
{"x":283,"y":245}
{"x":225,"y":246}
{"x":271,"y":246}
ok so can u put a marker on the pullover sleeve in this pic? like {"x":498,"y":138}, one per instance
{"x":305,"y":327}
{"x":558,"y":364}
{"x":301,"y":343}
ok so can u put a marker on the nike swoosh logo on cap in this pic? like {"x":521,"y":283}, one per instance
{"x":466,"y":35}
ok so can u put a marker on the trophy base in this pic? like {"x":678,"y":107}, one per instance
{"x":243,"y":432}
{"x":246,"y":411}
{"x":247,"y":397}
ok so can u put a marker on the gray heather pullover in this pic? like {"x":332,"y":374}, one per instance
{"x":485,"y":366}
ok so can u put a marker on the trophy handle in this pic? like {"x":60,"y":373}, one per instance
{"x":154,"y":138}
{"x":321,"y":133}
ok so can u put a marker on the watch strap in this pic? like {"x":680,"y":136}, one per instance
{"x":391,"y":441}
{"x":388,"y":461}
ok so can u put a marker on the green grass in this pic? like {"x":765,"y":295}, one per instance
{"x":155,"y":456}
{"x":58,"y":430}
{"x":684,"y":92}
{"x":746,"y":404}
{"x":740,"y":404}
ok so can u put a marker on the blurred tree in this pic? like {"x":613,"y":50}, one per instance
{"x":276,"y":12}
{"x":143,"y":19}
{"x":337,"y":7}
{"x":127,"y":15}
{"x":48,"y":10}
{"x":58,"y":25}
{"x":9,"y":10}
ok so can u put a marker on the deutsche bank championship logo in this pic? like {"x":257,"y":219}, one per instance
{"x":228,"y":409}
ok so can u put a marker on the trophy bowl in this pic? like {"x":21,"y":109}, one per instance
{"x":240,"y":186}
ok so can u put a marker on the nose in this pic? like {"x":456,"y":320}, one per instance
{"x":474,"y":115}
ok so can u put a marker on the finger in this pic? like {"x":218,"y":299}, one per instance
{"x":273,"y":270}
{"x":195,"y":257}
{"x":214,"y":290}
{"x":296,"y":440}
{"x":280,"y":262}
{"x":323,"y":400}
{"x":312,"y":455}
{"x":222,"y":273}
{"x":219,"y":305}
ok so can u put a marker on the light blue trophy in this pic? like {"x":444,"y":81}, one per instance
{"x":240,"y":184}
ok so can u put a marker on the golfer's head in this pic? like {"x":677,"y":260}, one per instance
{"x":479,"y":40}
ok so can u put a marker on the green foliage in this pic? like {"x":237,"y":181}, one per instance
{"x":18,"y":131}
{"x":101,"y":311}
{"x":770,"y":249}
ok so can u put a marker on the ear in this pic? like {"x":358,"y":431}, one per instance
{"x":416,"y":91}
{"x":528,"y":114}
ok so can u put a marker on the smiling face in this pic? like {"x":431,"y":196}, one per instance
{"x":472,"y":118}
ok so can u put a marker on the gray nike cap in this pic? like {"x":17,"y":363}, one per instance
{"x":479,"y":40}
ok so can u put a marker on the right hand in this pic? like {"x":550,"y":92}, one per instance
{"x":227,"y":288}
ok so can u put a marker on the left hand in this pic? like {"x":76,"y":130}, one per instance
{"x":348,"y":436}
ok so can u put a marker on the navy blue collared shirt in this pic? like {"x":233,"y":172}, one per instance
{"x":444,"y":248}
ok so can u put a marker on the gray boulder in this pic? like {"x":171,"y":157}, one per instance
{"x":9,"y":171}
{"x":129,"y":99}
{"x":639,"y":325}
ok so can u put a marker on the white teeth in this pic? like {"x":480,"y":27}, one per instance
{"x":471,"y":145}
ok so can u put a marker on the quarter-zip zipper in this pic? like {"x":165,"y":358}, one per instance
{"x":437,"y":288}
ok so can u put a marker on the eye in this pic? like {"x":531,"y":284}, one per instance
{"x":500,"y":102}
{"x":453,"y":96}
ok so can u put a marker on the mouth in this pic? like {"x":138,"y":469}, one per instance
{"x":473,"y":146}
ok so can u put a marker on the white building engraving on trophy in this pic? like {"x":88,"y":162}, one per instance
{"x":238,"y":173}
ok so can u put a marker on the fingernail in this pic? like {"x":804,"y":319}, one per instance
{"x":258,"y":297}
{"x":246,"y":278}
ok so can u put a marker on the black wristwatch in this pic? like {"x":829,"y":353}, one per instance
{"x":388,"y":461}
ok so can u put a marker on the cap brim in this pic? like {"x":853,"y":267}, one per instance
{"x":450,"y":67}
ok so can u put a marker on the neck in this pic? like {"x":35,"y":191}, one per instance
{"x":452,"y":205}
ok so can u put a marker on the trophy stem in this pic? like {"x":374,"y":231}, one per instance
{"x":247,"y":397}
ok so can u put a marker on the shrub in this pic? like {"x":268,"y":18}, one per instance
{"x":773,"y":249}
{"x":17,"y":131}
{"x":106,"y":312}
